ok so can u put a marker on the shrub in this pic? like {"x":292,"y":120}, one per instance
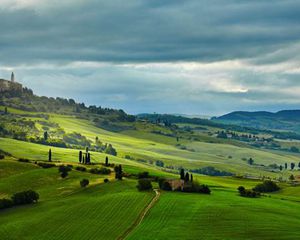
{"x":64,"y":174}
{"x":106,"y":180}
{"x":247,"y":192}
{"x":6,"y":203}
{"x":143,"y":175}
{"x":144,"y":185}
{"x":25,"y":197}
{"x":23,"y":160}
{"x":166,"y":186}
{"x":79,"y":168}
{"x":64,"y":170}
{"x":266,"y":186}
{"x":160,"y":182}
{"x":84,"y":182}
{"x":1,"y":156}
{"x":46,"y":165}
{"x":196,"y":188}
{"x":100,"y":170}
{"x":159,"y":163}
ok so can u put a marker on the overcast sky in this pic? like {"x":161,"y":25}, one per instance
{"x":204,"y":57}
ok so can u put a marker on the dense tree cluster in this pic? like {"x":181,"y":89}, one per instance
{"x":102,"y":170}
{"x":46,"y":164}
{"x":20,"y":198}
{"x":144,"y":184}
{"x":248,"y":192}
{"x":164,"y":184}
{"x":211,"y":171}
{"x":266,"y":186}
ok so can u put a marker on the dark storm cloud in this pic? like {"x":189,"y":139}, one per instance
{"x":194,"y":57}
{"x":147,"y":31}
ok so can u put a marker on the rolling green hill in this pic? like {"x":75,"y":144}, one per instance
{"x":65,"y":210}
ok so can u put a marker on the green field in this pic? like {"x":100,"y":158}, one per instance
{"x":107,"y":211}
{"x":222,"y":215}
{"x":65,"y":210}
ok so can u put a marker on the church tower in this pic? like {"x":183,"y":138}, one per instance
{"x":12,"y":78}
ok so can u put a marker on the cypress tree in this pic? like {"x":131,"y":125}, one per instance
{"x":119,"y":172}
{"x":89,"y":158}
{"x":187,"y":177}
{"x":106,"y":161}
{"x":83,"y":160}
{"x":192,"y":178}
{"x":50,"y":155}
{"x":182,"y":174}
{"x":46,"y":136}
{"x":292,"y":166}
{"x":116,"y":172}
{"x":80,"y":156}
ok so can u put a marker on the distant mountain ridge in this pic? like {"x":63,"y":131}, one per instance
{"x":282,"y":120}
{"x":241,"y":115}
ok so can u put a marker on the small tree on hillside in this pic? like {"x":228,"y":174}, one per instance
{"x":250,"y":161}
{"x":63,"y":170}
{"x":80,"y":156}
{"x":5,"y":110}
{"x":280,"y":167}
{"x":84,"y":182}
{"x":46,"y":136}
{"x":293,"y":166}
{"x":118,"y":172}
{"x":299,"y":165}
{"x":192,"y":178}
{"x":187,"y":177}
{"x":291,"y":178}
{"x":144,"y":185}
{"x":106,"y":161}
{"x":182,"y":174}
{"x":88,"y":160}
{"x":50,"y":155}
{"x":285,"y":165}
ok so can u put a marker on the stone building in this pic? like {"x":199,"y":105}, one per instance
{"x":12,"y":85}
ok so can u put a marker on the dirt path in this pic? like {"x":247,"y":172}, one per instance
{"x":141,"y":216}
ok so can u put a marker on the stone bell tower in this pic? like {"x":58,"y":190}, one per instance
{"x":12,"y":78}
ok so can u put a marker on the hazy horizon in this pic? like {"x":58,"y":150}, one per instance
{"x":192,"y":57}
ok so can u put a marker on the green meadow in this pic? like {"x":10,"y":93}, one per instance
{"x":107,"y":210}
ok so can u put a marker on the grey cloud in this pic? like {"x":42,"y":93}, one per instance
{"x":148,"y":31}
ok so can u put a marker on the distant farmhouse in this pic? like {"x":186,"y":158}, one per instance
{"x":12,"y":85}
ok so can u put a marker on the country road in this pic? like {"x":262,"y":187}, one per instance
{"x":142,"y":215}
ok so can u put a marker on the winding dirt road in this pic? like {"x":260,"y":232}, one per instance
{"x":141,"y":216}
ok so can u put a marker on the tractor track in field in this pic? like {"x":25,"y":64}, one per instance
{"x":141,"y":217}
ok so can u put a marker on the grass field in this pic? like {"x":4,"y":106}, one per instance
{"x":66,"y":211}
{"x":222,"y":215}
{"x":106,"y":211}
